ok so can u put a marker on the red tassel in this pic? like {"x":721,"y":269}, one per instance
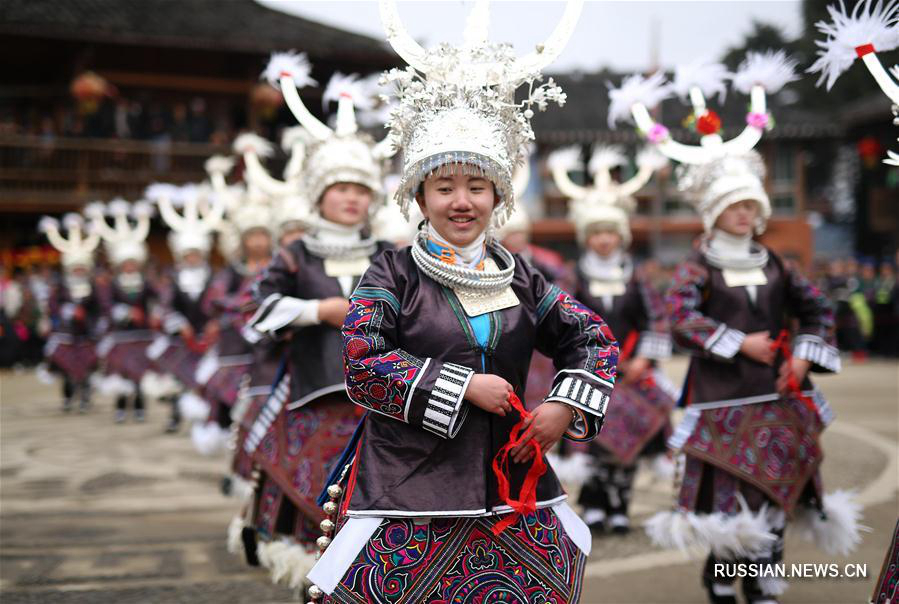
{"x":527,"y":504}
{"x":782,"y":345}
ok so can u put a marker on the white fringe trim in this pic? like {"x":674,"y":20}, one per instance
{"x":772,"y":586}
{"x":156,"y":385}
{"x":193,"y":408}
{"x":288,"y":562}
{"x":208,"y":438}
{"x":241,"y":489}
{"x":235,"y":536}
{"x":44,"y":375}
{"x":840,"y":533}
{"x":113,"y":385}
{"x":573,"y":470}
{"x":744,"y":535}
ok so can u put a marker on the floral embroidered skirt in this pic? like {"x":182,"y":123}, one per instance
{"x":460,"y":560}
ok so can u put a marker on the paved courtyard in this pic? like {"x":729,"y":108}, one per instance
{"x":91,"y":511}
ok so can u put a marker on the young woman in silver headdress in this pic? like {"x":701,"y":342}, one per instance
{"x":608,"y":282}
{"x":755,"y":327}
{"x":447,"y":496}
{"x":288,"y":441}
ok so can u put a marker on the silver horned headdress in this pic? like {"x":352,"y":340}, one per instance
{"x":201,"y":211}
{"x":122,"y":239}
{"x":341,"y":154}
{"x":606,"y":201}
{"x":869,"y":29}
{"x":456,"y":105}
{"x":77,"y":246}
{"x":717,"y":172}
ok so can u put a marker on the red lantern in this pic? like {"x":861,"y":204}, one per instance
{"x":708,"y":123}
{"x":870,"y":150}
{"x":89,"y":87}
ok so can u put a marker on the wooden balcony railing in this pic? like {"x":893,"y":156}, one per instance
{"x":40,"y":174}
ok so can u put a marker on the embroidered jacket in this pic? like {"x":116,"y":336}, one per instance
{"x":315,"y":350}
{"x":637,"y":313}
{"x":712,"y":320}
{"x":410,"y":352}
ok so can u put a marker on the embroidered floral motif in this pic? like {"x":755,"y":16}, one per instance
{"x":381,"y":382}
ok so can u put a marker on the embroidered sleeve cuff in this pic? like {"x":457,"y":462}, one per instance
{"x":654,"y":345}
{"x":816,"y":351}
{"x":277,"y":312}
{"x":590,"y":398}
{"x":446,"y":408}
{"x":725,"y":342}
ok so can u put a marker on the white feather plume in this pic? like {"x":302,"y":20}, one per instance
{"x":47,"y":223}
{"x":838,"y":531}
{"x":95,"y":209}
{"x":571,"y":470}
{"x":208,"y":438}
{"x":291,"y":63}
{"x":869,"y":23}
{"x":288,"y":562}
{"x":606,"y":157}
{"x":250,"y":142}
{"x":235,"y":535}
{"x":771,"y":70}
{"x":219,"y":164}
{"x":73,"y":221}
{"x":710,"y":78}
{"x":293,"y":136}
{"x":158,"y":190}
{"x":568,"y":158}
{"x":636,"y":89}
{"x":359,"y":90}
{"x":141,"y":209}
{"x":118,"y":207}
{"x":193,"y":408}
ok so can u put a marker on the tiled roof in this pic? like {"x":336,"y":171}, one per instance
{"x":241,"y":25}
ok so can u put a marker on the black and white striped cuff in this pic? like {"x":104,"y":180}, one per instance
{"x":654,"y":345}
{"x":580,"y":394}
{"x":815,"y":350}
{"x":725,"y":342}
{"x":445,"y":409}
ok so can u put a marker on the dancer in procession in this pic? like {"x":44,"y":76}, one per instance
{"x":123,"y":349}
{"x":177,"y":351}
{"x":637,"y":423}
{"x":75,"y":310}
{"x":303,"y":298}
{"x":447,"y":496}
{"x":751,"y":434}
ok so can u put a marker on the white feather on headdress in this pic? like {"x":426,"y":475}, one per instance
{"x":291,"y":63}
{"x":159,"y":190}
{"x":250,"y":142}
{"x":636,"y":89}
{"x":564,"y":159}
{"x":359,"y":90}
{"x":219,"y":163}
{"x":47,"y":223}
{"x":710,"y":78}
{"x":771,"y":70}
{"x":296,"y":135}
{"x":876,"y":24}
{"x":606,"y":157}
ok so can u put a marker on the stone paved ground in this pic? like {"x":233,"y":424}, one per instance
{"x":96,"y":512}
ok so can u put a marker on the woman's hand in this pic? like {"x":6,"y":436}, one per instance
{"x":333,"y":311}
{"x":759,"y":347}
{"x":490,"y":393}
{"x":634,"y":370}
{"x":799,"y":369}
{"x":546,"y":426}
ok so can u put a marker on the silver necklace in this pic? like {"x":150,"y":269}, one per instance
{"x":467,"y":280}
